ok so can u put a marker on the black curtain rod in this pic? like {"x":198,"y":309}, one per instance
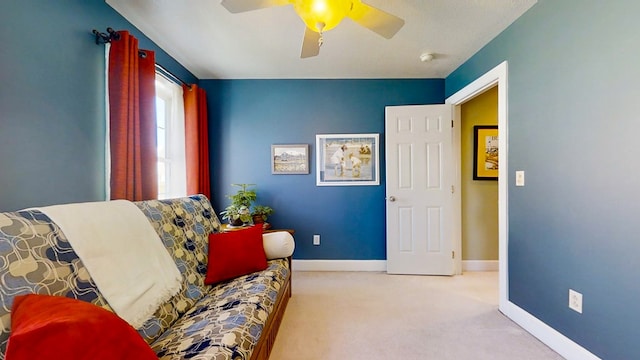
{"x":171,"y":76}
{"x":111,"y":35}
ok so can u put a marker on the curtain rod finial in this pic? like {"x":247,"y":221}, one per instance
{"x":102,"y":38}
{"x":113,"y":34}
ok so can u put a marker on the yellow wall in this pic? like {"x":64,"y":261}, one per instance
{"x":479,"y":197}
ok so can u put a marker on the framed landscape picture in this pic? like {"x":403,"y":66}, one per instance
{"x":290,"y":159}
{"x":347,"y":160}
{"x":485,"y":152}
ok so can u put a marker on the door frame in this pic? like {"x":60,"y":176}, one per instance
{"x":495,"y":76}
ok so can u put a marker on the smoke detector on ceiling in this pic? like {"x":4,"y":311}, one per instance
{"x":426,"y":57}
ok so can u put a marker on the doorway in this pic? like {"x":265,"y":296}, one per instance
{"x":479,"y":203}
{"x":496,"y":76}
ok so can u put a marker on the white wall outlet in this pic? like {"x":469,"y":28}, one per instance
{"x":316,"y":240}
{"x":520,"y":178}
{"x":575,"y":301}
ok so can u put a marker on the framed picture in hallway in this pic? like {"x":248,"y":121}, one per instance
{"x":290,"y":159}
{"x":485,"y":152}
{"x":347,"y":160}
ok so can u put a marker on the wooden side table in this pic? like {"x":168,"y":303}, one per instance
{"x":290,"y":231}
{"x":227,"y":228}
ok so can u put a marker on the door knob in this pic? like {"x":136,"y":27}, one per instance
{"x":392,"y":198}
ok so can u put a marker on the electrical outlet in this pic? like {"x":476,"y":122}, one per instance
{"x":316,"y":240}
{"x":575,"y":301}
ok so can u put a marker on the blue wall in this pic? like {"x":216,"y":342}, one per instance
{"x":574,"y":67}
{"x":52,"y":100}
{"x":574,"y":71}
{"x":248,"y":116}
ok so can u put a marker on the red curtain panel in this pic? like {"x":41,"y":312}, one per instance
{"x":132,"y":120}
{"x":197,"y":140}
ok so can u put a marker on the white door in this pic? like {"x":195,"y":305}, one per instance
{"x":419,"y":189}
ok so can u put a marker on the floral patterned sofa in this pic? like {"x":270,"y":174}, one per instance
{"x":236,"y":319}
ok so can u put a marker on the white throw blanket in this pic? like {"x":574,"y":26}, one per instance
{"x":123,"y":254}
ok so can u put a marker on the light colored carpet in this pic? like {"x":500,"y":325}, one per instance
{"x":367,"y":315}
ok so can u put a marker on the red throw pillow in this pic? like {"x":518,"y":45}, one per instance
{"x":57,"y":327}
{"x":235,"y":253}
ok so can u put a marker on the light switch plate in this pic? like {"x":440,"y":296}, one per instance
{"x":520,"y":178}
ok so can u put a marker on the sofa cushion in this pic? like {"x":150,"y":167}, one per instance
{"x":228,"y":321}
{"x":56,"y":327}
{"x":183,"y":225}
{"x":38,"y":259}
{"x":235,"y":253}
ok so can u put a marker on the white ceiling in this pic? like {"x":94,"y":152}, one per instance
{"x":265,"y":44}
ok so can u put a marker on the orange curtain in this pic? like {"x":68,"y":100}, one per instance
{"x":197,"y":140}
{"x":132,"y":121}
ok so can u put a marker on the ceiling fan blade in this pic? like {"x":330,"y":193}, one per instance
{"x":376,"y":20}
{"x":310,"y":44}
{"x":238,"y":6}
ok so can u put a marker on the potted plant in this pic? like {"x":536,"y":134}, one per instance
{"x":236,"y":215}
{"x":239,"y":211}
{"x":244,"y":196}
{"x":260,"y":213}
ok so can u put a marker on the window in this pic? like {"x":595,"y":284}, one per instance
{"x":172,"y":173}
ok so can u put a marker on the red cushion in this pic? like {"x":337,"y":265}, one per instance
{"x":56,"y":327}
{"x":235,"y":253}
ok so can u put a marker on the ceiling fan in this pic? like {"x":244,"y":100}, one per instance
{"x":324,"y":15}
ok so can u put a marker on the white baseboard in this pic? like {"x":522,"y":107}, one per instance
{"x":339,"y":265}
{"x":378,"y":265}
{"x":479,"y":265}
{"x":561,"y":344}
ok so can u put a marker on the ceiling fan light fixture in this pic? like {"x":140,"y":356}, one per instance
{"x":323,"y":15}
{"x":327,"y":12}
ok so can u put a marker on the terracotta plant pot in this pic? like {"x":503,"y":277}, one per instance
{"x":258,"y":219}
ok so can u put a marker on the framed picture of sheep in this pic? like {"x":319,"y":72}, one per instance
{"x":347,"y":159}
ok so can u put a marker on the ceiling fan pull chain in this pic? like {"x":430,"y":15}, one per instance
{"x":320,"y":26}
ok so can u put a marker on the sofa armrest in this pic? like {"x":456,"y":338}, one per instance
{"x":279,"y":244}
